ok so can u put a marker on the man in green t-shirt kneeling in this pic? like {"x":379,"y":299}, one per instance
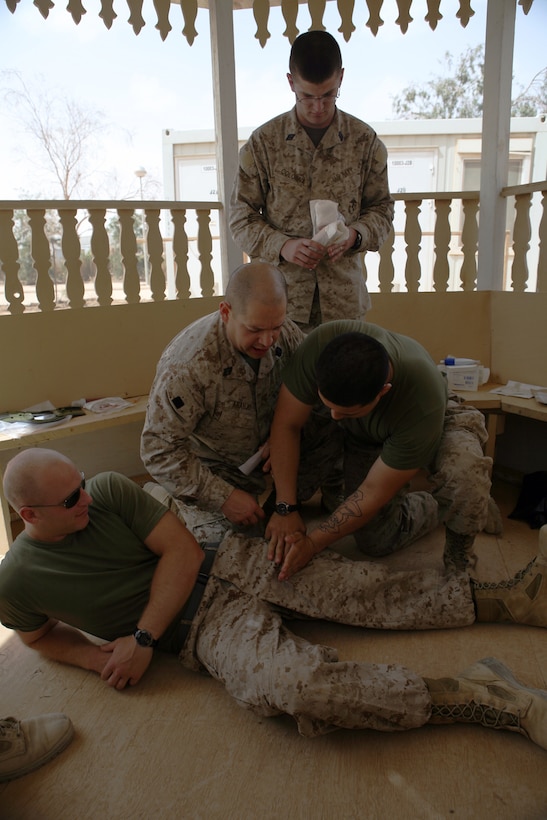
{"x":392,"y":403}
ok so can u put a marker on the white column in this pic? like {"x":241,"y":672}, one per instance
{"x":224,"y":89}
{"x":496,"y":122}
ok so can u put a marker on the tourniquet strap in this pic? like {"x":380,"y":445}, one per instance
{"x":196,"y":595}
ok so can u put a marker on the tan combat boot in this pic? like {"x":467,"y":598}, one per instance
{"x":27,"y":744}
{"x":522,"y":600}
{"x":488,"y":693}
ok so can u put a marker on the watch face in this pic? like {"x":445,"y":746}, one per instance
{"x":282,"y":508}
{"x":144,"y":638}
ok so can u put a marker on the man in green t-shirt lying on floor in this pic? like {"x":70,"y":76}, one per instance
{"x":104,"y":557}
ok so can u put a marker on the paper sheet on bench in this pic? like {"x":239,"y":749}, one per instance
{"x":522,"y":390}
{"x":107,"y":405}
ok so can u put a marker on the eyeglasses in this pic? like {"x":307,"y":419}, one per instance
{"x":326,"y":99}
{"x":70,"y":501}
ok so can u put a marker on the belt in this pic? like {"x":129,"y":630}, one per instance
{"x":193,"y":602}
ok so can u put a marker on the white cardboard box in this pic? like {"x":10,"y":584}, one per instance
{"x":464,"y":377}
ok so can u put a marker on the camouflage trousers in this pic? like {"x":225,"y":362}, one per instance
{"x":460,"y":486}
{"x":321,"y":466}
{"x":240,"y":638}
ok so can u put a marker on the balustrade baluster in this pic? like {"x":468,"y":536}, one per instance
{"x":289,"y":10}
{"x":40,"y":250}
{"x":386,"y":269}
{"x":542,"y":261}
{"x":180,"y":251}
{"x":189,"y":12}
{"x":465,"y":12}
{"x":345,"y":8}
{"x":433,"y":15}
{"x":441,"y":269}
{"x":9,"y":256}
{"x":413,"y":235}
{"x":100,"y":250}
{"x":470,"y":241}
{"x":155,"y":252}
{"x":404,"y":19}
{"x":374,"y":21}
{"x":71,"y":253}
{"x":128,"y":247}
{"x":522,"y":232}
{"x":162,"y":13}
{"x":261,"y":12}
{"x":135,"y":19}
{"x":205,"y":247}
{"x":107,"y":13}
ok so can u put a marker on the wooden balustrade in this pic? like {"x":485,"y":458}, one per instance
{"x":149,"y":250}
{"x":526,"y":198}
{"x":74,"y":253}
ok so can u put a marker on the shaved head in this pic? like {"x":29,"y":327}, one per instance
{"x":29,"y":472}
{"x":254,"y":308}
{"x":255,"y":282}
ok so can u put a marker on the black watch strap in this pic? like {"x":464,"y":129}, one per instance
{"x":358,"y":239}
{"x":282,"y":508}
{"x":144,"y":638}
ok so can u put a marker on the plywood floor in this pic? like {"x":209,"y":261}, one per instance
{"x":177,"y":746}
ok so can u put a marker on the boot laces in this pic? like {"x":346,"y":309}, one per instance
{"x":512,"y":582}
{"x":473,"y":712}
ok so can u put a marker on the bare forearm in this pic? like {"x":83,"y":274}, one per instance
{"x":65,"y":644}
{"x":285,"y":456}
{"x":170,"y":589}
{"x":381,"y":484}
{"x":349,"y":517}
{"x":300,"y":548}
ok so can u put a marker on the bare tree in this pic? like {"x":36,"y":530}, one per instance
{"x":532,"y":101}
{"x":459,"y":92}
{"x":63,"y":131}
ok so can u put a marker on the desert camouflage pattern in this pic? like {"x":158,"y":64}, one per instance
{"x":239,"y":637}
{"x":460,"y":487}
{"x":321,"y":453}
{"x":280,"y":171}
{"x":208,"y":412}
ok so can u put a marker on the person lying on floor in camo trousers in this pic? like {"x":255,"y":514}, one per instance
{"x":108,"y":559}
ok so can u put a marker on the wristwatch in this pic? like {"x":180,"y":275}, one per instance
{"x":144,"y":638}
{"x":282,"y":508}
{"x":357,"y":244}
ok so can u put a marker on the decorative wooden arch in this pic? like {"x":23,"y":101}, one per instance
{"x":261,"y":11}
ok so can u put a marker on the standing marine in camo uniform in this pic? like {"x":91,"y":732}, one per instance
{"x":212,"y":404}
{"x":313,"y":152}
{"x":392,"y":403}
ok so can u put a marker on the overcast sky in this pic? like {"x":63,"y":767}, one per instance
{"x":144,"y":85}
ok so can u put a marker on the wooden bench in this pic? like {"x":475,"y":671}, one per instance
{"x":18,"y":437}
{"x":496,"y":406}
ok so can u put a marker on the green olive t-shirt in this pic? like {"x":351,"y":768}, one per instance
{"x":407,"y":423}
{"x":97,"y":580}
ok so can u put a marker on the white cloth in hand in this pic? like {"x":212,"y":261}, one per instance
{"x":327,"y":221}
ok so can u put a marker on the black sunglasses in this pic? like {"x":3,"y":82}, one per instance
{"x":70,"y":501}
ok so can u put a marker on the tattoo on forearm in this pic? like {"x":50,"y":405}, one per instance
{"x":349,"y":509}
